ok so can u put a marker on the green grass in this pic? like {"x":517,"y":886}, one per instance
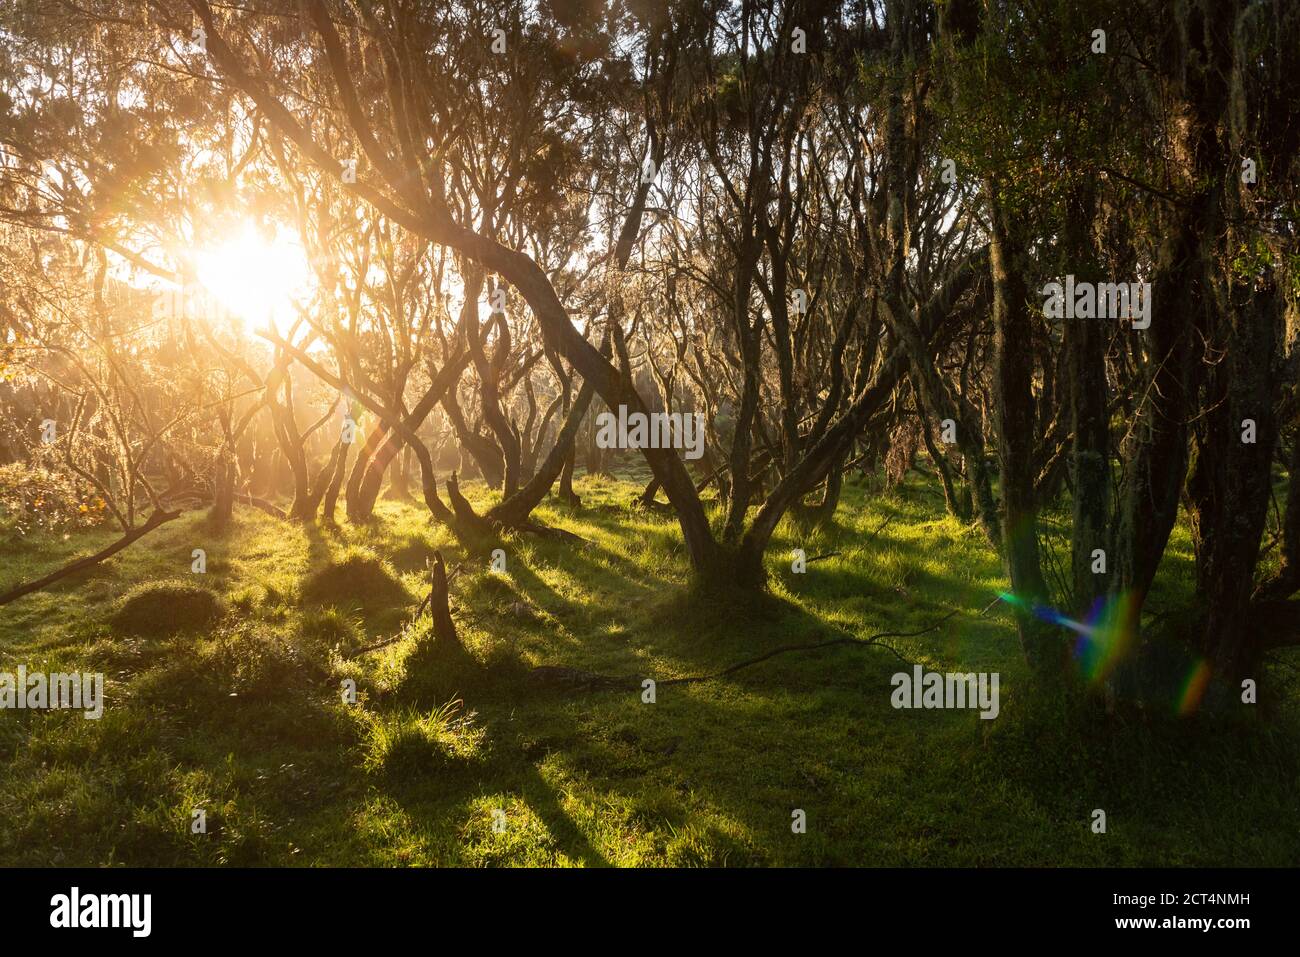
{"x":233,"y":704}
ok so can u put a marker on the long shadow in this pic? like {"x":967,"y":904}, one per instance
{"x":496,"y":695}
{"x":581,"y":564}
{"x":321,"y":542}
{"x":691,"y":744}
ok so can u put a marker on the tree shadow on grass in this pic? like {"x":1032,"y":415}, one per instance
{"x":437,"y":785}
{"x":583,"y":595}
{"x":746,"y":749}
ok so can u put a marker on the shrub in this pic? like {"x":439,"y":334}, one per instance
{"x":33,"y":498}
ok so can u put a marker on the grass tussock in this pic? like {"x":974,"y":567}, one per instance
{"x":358,"y":579}
{"x":408,"y":742}
{"x":159,"y":609}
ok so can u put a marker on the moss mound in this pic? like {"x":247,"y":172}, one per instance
{"x":356,"y":579}
{"x":166,"y":608}
{"x":412,"y":555}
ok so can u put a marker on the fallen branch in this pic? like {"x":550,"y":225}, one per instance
{"x":590,"y":681}
{"x":269,"y":508}
{"x":880,"y":528}
{"x":159,"y":517}
{"x":552,"y":532}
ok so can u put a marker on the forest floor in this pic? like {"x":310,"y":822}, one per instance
{"x":223,"y":694}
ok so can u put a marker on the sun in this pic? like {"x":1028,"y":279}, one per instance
{"x":256,"y":278}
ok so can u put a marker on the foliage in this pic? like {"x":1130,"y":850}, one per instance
{"x":38,"y":499}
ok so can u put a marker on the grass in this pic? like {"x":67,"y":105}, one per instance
{"x":234,"y":704}
{"x":156,"y":609}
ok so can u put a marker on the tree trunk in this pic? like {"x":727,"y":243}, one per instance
{"x":1043,"y":646}
{"x":223,"y":499}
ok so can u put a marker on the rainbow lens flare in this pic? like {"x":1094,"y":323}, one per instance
{"x":1106,"y":637}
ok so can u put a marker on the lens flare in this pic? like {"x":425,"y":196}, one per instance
{"x":1102,"y":636}
{"x":1193,"y":689}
